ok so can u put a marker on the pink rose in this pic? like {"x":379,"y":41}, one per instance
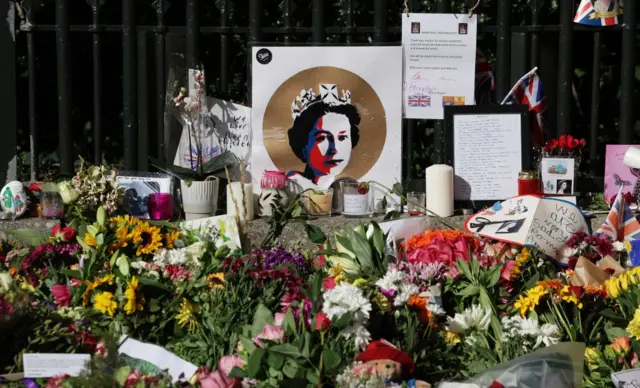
{"x":216,"y":379}
{"x":436,"y":252}
{"x":461,"y":249}
{"x":227,"y":363}
{"x":506,"y":270}
{"x":269,"y":333}
{"x":329,"y":283}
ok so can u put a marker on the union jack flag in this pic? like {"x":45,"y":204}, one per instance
{"x":528,"y":91}
{"x":418,"y":100}
{"x":599,"y":13}
{"x":485,"y":81}
{"x":621,"y":224}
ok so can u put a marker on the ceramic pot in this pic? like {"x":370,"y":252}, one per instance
{"x":271,"y":197}
{"x":200,"y":199}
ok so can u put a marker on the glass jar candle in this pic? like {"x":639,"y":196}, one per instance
{"x":529,"y":183}
{"x":357,"y":199}
{"x":160,"y":206}
{"x":273,"y":179}
{"x":51,"y":205}
{"x":318,"y":202}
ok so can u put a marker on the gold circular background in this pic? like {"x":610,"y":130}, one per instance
{"x":373,"y":124}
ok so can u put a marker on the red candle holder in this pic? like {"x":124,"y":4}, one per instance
{"x":160,"y":206}
{"x":529,"y":183}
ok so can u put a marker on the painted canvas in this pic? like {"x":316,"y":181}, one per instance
{"x":616,"y":175}
{"x":325,"y":113}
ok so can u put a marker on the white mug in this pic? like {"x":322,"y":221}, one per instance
{"x":632,"y":158}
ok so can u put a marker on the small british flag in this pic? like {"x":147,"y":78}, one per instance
{"x":528,"y":91}
{"x":419,"y":101}
{"x":599,"y":13}
{"x":621,"y":224}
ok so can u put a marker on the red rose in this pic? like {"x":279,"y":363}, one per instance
{"x":65,"y":234}
{"x":553,"y":144}
{"x":322,"y":322}
{"x":574,"y":143}
{"x":583,"y":142}
{"x":363,"y":188}
{"x":562,"y":141}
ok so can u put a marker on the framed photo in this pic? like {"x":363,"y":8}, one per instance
{"x":487,"y":146}
{"x":138,"y":187}
{"x":558,"y":176}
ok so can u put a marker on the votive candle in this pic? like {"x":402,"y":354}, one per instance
{"x":439,"y":181}
{"x":160,"y":206}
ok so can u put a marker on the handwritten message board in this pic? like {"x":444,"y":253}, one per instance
{"x":545,"y":223}
{"x":230,"y":131}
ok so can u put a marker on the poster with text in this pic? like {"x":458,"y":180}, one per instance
{"x":324,"y":113}
{"x":545,"y":223}
{"x":616,"y":174}
{"x":440,"y":62}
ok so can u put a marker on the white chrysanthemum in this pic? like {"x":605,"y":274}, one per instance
{"x":569,"y":252}
{"x":391,"y":280}
{"x":360,"y":335}
{"x":346,"y":298}
{"x":404,"y":293}
{"x":435,"y":309}
{"x":618,"y":246}
{"x":472,"y":318}
{"x":548,"y":334}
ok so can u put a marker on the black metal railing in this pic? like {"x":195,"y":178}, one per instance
{"x":519,"y":39}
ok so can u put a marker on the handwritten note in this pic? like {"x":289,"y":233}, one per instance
{"x":440,"y":59}
{"x":545,"y":223}
{"x":626,"y":379}
{"x":355,"y":204}
{"x":487,"y":156}
{"x":231,"y":131}
{"x":40,"y":365}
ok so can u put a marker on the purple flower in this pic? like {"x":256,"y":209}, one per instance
{"x":279,"y":256}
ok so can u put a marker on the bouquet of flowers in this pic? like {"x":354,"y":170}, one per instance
{"x":566,"y":146}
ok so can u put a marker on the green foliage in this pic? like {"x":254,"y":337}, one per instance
{"x":211,"y":167}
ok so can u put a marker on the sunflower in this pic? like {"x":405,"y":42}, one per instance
{"x":187,"y":315}
{"x":216,"y":280}
{"x":170,"y":239}
{"x":146,"y":238}
{"x":125,"y":221}
{"x":105,"y":302}
{"x":90,"y":240}
{"x":134,"y":302}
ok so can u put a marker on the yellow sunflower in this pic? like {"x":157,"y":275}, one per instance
{"x":146,"y":238}
{"x":170,"y":239}
{"x":134,"y":302}
{"x":187,"y":315}
{"x":105,"y":302}
{"x":124,"y":221}
{"x":216,"y":280}
{"x":90,"y":240}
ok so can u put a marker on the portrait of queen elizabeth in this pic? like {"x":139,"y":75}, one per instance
{"x":324,"y":131}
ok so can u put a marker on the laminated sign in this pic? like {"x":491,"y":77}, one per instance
{"x":545,"y":223}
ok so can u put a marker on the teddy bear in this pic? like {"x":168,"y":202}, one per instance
{"x":390,"y":363}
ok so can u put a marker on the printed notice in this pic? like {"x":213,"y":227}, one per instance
{"x":486,"y":162}
{"x":440,"y":60}
{"x":41,"y":365}
{"x":626,"y":379}
{"x":546,"y":223}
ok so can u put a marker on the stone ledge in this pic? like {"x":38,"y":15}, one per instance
{"x":293,"y":235}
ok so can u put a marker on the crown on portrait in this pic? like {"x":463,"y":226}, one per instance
{"x":328,"y":95}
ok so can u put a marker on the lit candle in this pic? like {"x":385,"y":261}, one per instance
{"x":439,"y":179}
{"x":234,"y":195}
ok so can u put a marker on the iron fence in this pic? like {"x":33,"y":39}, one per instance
{"x":516,"y":45}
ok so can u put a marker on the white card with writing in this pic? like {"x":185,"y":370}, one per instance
{"x":158,"y":356}
{"x":44,"y":365}
{"x":626,"y":379}
{"x":557,"y":175}
{"x":545,"y":223}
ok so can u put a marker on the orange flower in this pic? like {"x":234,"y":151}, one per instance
{"x":13,"y":271}
{"x":420,"y":305}
{"x":421,"y":241}
{"x":550,"y":284}
{"x":595,"y":291}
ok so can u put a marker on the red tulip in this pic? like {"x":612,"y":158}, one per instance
{"x":65,"y":234}
{"x":322,"y":322}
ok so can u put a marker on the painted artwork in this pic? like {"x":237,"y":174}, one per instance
{"x":324,"y":113}
{"x":545,"y":223}
{"x":558,"y":175}
{"x":616,"y":174}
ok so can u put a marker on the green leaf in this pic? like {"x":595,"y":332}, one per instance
{"x":262,"y":317}
{"x":285,"y":349}
{"x":470,"y":290}
{"x":494,"y":277}
{"x":361,"y":248}
{"x":346,"y":245}
{"x":237,"y":372}
{"x":255,"y":362}
{"x":464,"y":268}
{"x":295,"y":213}
{"x":154,"y":306}
{"x":153,"y":283}
{"x":123,"y":265}
{"x":180,"y":172}
{"x":306,"y":349}
{"x":331,"y":359}
{"x":315,"y":234}
{"x":312,"y":377}
{"x":121,"y":375}
{"x":397,"y":189}
{"x":289,"y":322}
{"x":378,"y":239}
{"x":613,"y":332}
{"x":290,"y":369}
{"x":247,"y":344}
{"x":225,"y":159}
{"x":275,"y":360}
{"x":30,"y":237}
{"x":71,"y":273}
{"x":392,"y":215}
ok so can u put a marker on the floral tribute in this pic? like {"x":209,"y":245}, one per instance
{"x":446,"y":306}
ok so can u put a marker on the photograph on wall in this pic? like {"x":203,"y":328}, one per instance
{"x":324,"y":113}
{"x":616,"y":174}
{"x":557,"y":175}
{"x":138,"y":187}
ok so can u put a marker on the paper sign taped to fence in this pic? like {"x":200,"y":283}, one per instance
{"x":626,"y":379}
{"x":545,"y":223}
{"x":42,"y":365}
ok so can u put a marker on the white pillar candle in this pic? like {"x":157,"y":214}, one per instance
{"x":439,"y":180}
{"x":234,"y":195}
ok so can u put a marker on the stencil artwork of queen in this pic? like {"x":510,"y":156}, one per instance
{"x":323,"y":134}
